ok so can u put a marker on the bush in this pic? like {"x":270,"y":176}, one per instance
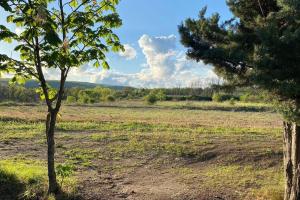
{"x":217,"y":97}
{"x":248,"y":97}
{"x":161,"y":95}
{"x":71,"y":99}
{"x":232,"y":101}
{"x":151,"y":99}
{"x":110,"y":98}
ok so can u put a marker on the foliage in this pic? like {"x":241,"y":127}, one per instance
{"x":64,"y":171}
{"x":258,"y":47}
{"x":95,"y":95}
{"x":57,"y":35}
{"x":220,"y":97}
{"x":161,"y":95}
{"x":151,"y":98}
{"x":232,"y":101}
{"x":45,"y":36}
{"x":18,"y":94}
{"x":110,"y":98}
{"x":216,"y":97}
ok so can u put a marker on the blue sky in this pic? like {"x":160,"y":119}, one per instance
{"x":154,"y":56}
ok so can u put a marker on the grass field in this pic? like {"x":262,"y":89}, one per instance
{"x":128,"y":150}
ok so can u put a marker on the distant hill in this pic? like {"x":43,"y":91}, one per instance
{"x":69,"y":84}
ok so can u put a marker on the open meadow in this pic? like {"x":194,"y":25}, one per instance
{"x":130,"y":150}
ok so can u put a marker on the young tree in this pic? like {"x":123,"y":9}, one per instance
{"x":62,"y":35}
{"x":260,"y":47}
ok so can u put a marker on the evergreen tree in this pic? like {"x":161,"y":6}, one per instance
{"x":259,"y":47}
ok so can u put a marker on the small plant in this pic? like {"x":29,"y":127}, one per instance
{"x":51,"y":197}
{"x":151,"y":99}
{"x":232,"y":101}
{"x":217,"y":97}
{"x":110,"y":98}
{"x":161,"y":95}
{"x":64,"y":171}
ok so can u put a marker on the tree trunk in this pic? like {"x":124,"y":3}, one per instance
{"x":50,"y":128}
{"x":291,"y":160}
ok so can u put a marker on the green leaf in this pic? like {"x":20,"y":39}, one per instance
{"x":97,"y":64}
{"x":53,"y":38}
{"x":8,"y":40}
{"x":5,"y":5}
{"x":52,"y":93}
{"x":105,"y":65}
{"x":74,"y":3}
{"x":21,"y":80}
{"x":41,"y":93}
{"x":10,"y":18}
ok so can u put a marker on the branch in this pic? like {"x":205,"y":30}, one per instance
{"x":41,"y":77}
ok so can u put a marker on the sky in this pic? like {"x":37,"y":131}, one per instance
{"x":153,"y":54}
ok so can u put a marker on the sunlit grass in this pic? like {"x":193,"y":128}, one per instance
{"x":116,"y":139}
{"x":27,"y":179}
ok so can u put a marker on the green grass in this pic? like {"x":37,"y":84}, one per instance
{"x":82,"y":157}
{"x":204,"y":145}
{"x":22,"y":178}
{"x":248,"y":177}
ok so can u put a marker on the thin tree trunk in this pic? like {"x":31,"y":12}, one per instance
{"x":292,"y":161}
{"x":50,"y":128}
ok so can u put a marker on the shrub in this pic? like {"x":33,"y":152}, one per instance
{"x":151,"y":99}
{"x":110,"y":98}
{"x":84,"y":100}
{"x":161,"y":95}
{"x":252,"y":97}
{"x":232,"y":101}
{"x":217,"y":97}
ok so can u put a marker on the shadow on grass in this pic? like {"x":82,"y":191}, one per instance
{"x":66,"y":196}
{"x":229,"y":109}
{"x":19,"y":120}
{"x":10,"y":186}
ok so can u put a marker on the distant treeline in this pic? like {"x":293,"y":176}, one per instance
{"x":55,"y":84}
{"x":99,"y":94}
{"x":18,"y":94}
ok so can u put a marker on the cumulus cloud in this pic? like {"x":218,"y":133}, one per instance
{"x":160,"y":56}
{"x":168,"y":67}
{"x":165,"y":66}
{"x":129,"y":53}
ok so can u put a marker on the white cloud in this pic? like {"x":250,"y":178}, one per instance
{"x":168,"y":67}
{"x":165,"y":66}
{"x":160,"y":56}
{"x":129,"y":53}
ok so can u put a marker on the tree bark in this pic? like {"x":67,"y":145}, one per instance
{"x":50,"y":128}
{"x":291,"y":152}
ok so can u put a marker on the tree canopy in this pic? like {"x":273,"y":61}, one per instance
{"x":259,"y":46}
{"x":57,"y":34}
